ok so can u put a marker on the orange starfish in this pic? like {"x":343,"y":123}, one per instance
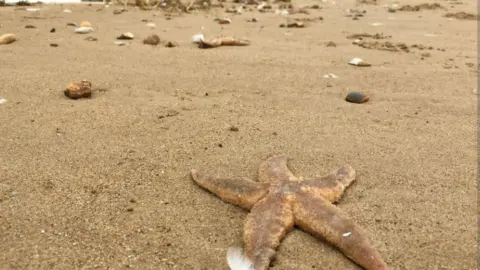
{"x":279,"y":201}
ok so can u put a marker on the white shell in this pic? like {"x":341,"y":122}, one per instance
{"x":355,"y":61}
{"x":197,"y":38}
{"x":83,"y":30}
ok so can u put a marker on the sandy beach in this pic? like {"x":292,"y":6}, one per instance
{"x":104,"y":183}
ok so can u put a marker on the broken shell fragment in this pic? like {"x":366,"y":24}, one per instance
{"x":83,"y":30}
{"x":126,"y":36}
{"x":7,"y":39}
{"x":79,"y":90}
{"x":86,"y":24}
{"x":359,"y":62}
{"x":198,"y":38}
{"x":356,"y":97}
{"x":223,"y":21}
{"x":223,"y":41}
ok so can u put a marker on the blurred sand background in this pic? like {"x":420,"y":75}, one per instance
{"x":103,"y":183}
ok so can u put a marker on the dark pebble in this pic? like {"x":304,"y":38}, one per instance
{"x":356,"y":97}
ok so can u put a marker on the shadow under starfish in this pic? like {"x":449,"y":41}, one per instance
{"x":279,"y":201}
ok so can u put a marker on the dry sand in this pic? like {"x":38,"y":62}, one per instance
{"x":103,"y":182}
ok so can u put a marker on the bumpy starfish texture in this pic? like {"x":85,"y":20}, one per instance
{"x":279,"y":201}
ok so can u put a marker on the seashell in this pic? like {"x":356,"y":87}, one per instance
{"x":126,"y":36}
{"x":359,"y":62}
{"x":83,"y":30}
{"x":86,"y":24}
{"x":7,"y":39}
{"x":356,"y":97}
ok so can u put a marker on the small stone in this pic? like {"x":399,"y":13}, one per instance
{"x":118,"y":11}
{"x":52,"y":30}
{"x":392,"y":10}
{"x":152,"y":40}
{"x":72,"y":24}
{"x":79,"y":90}
{"x":171,"y":44}
{"x":30,"y":26}
{"x":83,"y":30}
{"x":67,"y":11}
{"x":151,"y":25}
{"x":331,"y":44}
{"x":356,"y":97}
{"x":234,"y":128}
{"x":126,"y":36}
{"x":86,"y":24}
{"x":53,"y":45}
{"x":2,"y":100}
{"x":359,"y":62}
{"x":7,"y":38}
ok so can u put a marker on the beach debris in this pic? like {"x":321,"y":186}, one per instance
{"x":347,"y":234}
{"x":153,"y":40}
{"x":223,"y":21}
{"x":151,"y":25}
{"x":7,"y":39}
{"x":359,"y":62}
{"x":32,"y":9}
{"x":330,"y":75}
{"x":83,"y":30}
{"x":29,"y":26}
{"x":376,"y":24}
{"x":462,"y":16}
{"x":82,"y":89}
{"x":86,"y":24}
{"x":126,"y":36}
{"x":356,"y":97}
{"x":67,"y":10}
{"x":53,"y":45}
{"x":293,"y":25}
{"x":219,"y":41}
{"x":90,"y":38}
{"x":420,"y":7}
{"x":2,"y":100}
{"x":120,"y":43}
{"x":52,"y":30}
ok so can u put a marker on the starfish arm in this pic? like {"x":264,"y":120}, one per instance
{"x":242,"y":192}
{"x":266,"y":225}
{"x":330,"y":186}
{"x":275,"y":169}
{"x":319,"y":217}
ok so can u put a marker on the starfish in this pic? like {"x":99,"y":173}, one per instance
{"x":279,"y":201}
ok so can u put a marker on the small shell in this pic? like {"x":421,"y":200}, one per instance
{"x":356,"y":97}
{"x":359,"y":62}
{"x":83,"y":30}
{"x":86,"y":24}
{"x":126,"y":36}
{"x":7,"y":38}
